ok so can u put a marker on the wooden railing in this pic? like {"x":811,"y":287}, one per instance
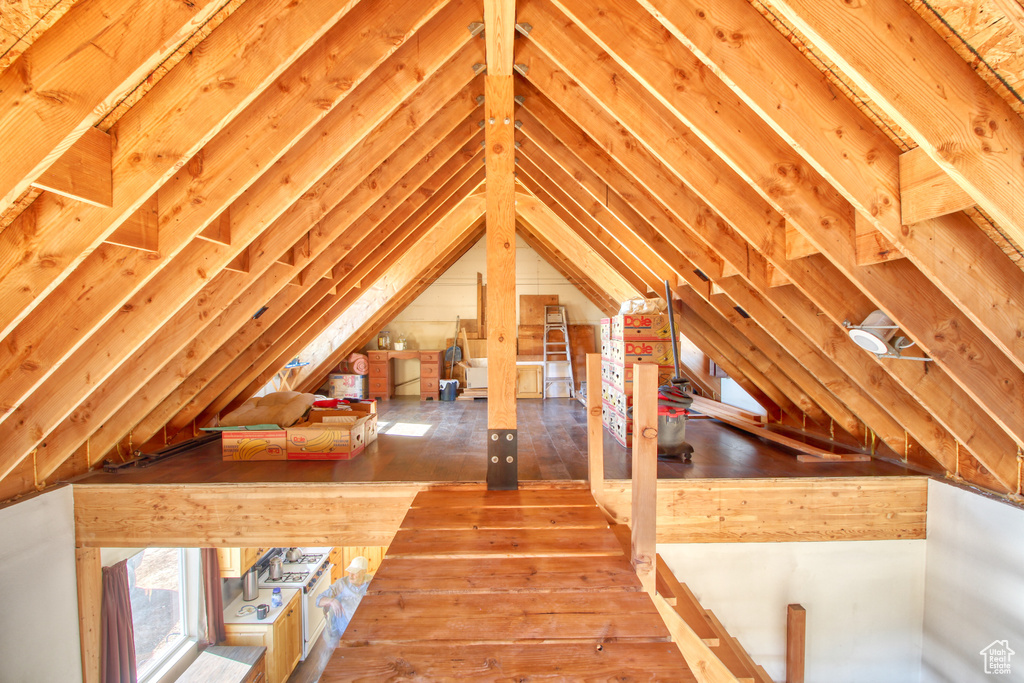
{"x":710,"y":652}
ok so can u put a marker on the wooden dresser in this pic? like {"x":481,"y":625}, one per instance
{"x":382,"y":372}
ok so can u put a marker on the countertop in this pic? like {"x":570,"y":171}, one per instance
{"x":223,"y":663}
{"x":230,"y":612}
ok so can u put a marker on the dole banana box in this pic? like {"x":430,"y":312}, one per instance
{"x":606,"y":328}
{"x":252,"y":445}
{"x":641,"y":326}
{"x":327,"y":440}
{"x":621,"y":377}
{"x":619,"y":400}
{"x":620,"y":426}
{"x":629,"y":351}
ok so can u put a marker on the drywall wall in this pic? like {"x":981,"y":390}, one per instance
{"x":735,"y":395}
{"x":430,"y":319}
{"x":974,"y":587}
{"x":39,"y":608}
{"x":864,"y":602}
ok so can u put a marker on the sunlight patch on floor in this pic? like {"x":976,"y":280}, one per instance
{"x":402,"y":428}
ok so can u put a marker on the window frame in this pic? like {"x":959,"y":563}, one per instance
{"x":190,"y":603}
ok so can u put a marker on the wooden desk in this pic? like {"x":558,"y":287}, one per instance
{"x":382,"y":372}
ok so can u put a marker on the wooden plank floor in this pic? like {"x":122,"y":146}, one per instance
{"x":463,"y":595}
{"x":451,"y":445}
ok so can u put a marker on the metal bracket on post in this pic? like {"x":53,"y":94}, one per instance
{"x":521,"y":69}
{"x":476,"y":28}
{"x":524,"y":28}
{"x":502,"y":459}
{"x":520,"y":99}
{"x":479,"y":68}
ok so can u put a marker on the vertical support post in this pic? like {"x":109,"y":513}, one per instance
{"x":499,"y":139}
{"x":595,"y":434}
{"x":645,"y":471}
{"x":796,"y":629}
{"x":90,"y":603}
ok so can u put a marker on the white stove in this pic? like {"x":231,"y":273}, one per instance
{"x":311,"y":573}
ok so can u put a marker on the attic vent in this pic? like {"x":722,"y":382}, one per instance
{"x":258,"y":313}
{"x":701,"y":275}
{"x":876,"y":334}
{"x":741,"y":312}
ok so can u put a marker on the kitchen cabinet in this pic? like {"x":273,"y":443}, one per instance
{"x":342,"y":556}
{"x":236,"y":561}
{"x":282,"y":637}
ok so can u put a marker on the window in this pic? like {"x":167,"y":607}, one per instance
{"x":164,"y":593}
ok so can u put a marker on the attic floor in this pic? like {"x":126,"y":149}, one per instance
{"x":441,"y":441}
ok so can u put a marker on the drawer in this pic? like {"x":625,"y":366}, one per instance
{"x":378,"y":369}
{"x":429,"y":370}
{"x":430,"y":356}
{"x":377,"y":356}
{"x":378,"y":386}
{"x":428,"y":385}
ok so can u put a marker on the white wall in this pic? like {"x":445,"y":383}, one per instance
{"x":39,"y":603}
{"x":974,"y":591}
{"x":864,"y":602}
{"x":735,"y":395}
{"x":430,"y":318}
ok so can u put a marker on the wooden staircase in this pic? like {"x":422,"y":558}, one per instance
{"x":506,"y":585}
{"x":706,"y":626}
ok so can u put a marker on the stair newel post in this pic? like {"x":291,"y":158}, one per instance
{"x":595,"y":433}
{"x":645,"y":471}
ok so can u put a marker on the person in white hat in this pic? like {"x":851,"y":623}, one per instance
{"x":342,"y":597}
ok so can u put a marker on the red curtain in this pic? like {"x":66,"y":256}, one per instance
{"x":214,"y":596}
{"x":117,"y":664}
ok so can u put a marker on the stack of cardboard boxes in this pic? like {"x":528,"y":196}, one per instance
{"x":324,"y":435}
{"x":628,"y":339}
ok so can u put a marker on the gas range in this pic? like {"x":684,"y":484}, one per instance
{"x":304,"y":573}
{"x":287,"y":580}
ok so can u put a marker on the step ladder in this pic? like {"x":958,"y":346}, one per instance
{"x":557,"y":350}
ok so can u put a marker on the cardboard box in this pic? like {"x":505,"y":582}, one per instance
{"x":254,"y":445}
{"x":338,"y":437}
{"x":641,"y":326}
{"x":476,"y":373}
{"x":348,"y":386}
{"x":619,"y":400}
{"x":629,"y":351}
{"x":341,"y":440}
{"x":621,"y":376}
{"x":617,"y":424}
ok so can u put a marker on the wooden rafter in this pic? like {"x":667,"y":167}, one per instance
{"x":169,"y":289}
{"x":745,"y":212}
{"x":93,"y":55}
{"x":276,"y":33}
{"x":907,"y":69}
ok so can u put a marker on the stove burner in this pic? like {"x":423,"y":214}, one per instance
{"x":310,"y":559}
{"x":289,"y":577}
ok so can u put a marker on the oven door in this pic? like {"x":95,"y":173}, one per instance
{"x":313,"y":621}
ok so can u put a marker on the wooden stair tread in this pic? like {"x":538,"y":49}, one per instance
{"x":686,"y":604}
{"x":503,"y":543}
{"x":513,"y":617}
{"x":452,"y":498}
{"x":437,"y":662}
{"x":509,"y":575}
{"x":505,"y":518}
